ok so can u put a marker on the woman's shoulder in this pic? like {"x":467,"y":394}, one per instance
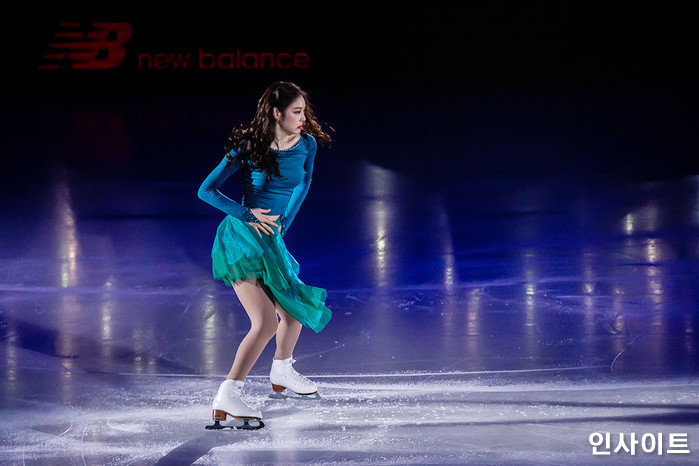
{"x":309,"y":140}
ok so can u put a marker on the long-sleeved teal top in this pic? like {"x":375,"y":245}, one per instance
{"x":283,"y":195}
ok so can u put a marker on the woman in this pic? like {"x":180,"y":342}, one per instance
{"x":275,"y":156}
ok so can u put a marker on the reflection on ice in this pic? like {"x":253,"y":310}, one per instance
{"x":502,"y":328}
{"x":65,"y":230}
{"x":410,"y":419}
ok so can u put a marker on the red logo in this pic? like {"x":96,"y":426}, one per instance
{"x":98,"y":49}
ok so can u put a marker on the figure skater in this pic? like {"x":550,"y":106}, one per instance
{"x":275,"y":156}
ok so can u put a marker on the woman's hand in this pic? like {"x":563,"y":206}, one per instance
{"x":266,"y":222}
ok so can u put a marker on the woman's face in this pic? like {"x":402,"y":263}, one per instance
{"x":293,"y":118}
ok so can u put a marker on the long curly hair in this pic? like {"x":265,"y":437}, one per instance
{"x":253,"y":143}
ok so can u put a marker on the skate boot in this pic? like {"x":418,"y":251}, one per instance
{"x":228,"y":402}
{"x":283,"y":375}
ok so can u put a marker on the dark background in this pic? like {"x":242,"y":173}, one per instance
{"x":486,"y":87}
{"x":373,"y":47}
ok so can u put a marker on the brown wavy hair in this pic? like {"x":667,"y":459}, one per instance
{"x":256,"y":139}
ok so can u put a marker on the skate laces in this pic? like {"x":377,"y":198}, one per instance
{"x":291,"y":372}
{"x":235,"y":390}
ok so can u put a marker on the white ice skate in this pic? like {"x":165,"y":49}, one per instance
{"x":284,"y":376}
{"x":228,"y":402}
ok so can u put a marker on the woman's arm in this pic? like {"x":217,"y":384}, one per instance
{"x":300,"y":191}
{"x":209,"y":192}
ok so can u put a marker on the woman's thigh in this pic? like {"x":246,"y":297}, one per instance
{"x":254,"y":298}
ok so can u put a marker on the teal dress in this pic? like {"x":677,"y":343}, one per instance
{"x":241,"y":253}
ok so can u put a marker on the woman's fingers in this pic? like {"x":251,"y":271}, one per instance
{"x":257,"y":211}
{"x":260,"y":214}
{"x":262,"y":228}
{"x":268,"y":225}
{"x":267,"y":222}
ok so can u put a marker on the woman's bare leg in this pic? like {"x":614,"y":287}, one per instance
{"x":288,"y":333}
{"x":283,"y":375}
{"x":263,"y":325}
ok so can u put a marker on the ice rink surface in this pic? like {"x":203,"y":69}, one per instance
{"x":480,"y":315}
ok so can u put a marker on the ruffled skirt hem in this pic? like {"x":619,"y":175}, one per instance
{"x":240,"y":253}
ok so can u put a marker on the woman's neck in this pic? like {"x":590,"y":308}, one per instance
{"x":283,"y":140}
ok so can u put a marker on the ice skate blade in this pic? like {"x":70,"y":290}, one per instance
{"x":246,"y":425}
{"x":295,"y":396}
{"x":221,"y":415}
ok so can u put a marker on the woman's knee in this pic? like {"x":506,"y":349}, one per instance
{"x":291,"y":323}
{"x":266,"y":329}
{"x":286,"y":318}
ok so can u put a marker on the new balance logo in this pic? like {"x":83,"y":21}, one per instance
{"x":97,"y":49}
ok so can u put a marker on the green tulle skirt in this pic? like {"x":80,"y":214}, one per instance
{"x":239,"y":252}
